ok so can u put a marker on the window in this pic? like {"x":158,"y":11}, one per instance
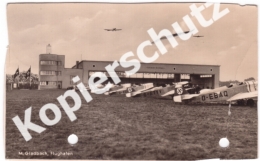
{"x":71,"y":82}
{"x":48,"y":72}
{"x":94,"y":66}
{"x":91,"y":73}
{"x":211,"y":69}
{"x":42,"y":83}
{"x":185,"y":76}
{"x":58,"y":72}
{"x":132,"y":76}
{"x":52,"y":83}
{"x":121,"y":74}
{"x":150,"y":75}
{"x":205,"y":76}
{"x":153,"y":75}
{"x":164,"y":76}
{"x":49,"y":62}
{"x":147,"y":75}
{"x":139,"y":75}
{"x":173,"y":68}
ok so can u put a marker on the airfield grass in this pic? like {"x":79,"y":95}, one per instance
{"x":116,"y":127}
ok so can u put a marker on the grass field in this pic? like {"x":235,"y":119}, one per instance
{"x":116,"y":127}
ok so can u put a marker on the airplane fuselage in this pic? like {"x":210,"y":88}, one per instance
{"x":224,"y":93}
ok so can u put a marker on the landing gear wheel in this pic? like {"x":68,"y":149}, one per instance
{"x":250,"y":102}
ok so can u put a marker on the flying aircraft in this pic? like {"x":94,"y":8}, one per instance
{"x":174,"y":35}
{"x":113,"y":29}
{"x":118,"y":89}
{"x":198,"y":36}
{"x":244,"y":93}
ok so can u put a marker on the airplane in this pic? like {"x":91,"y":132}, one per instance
{"x":114,"y":29}
{"x":174,"y":35}
{"x":133,"y":91}
{"x":100,"y":88}
{"x":198,"y":36}
{"x":162,"y":91}
{"x":147,"y":92}
{"x":118,"y":89}
{"x":244,"y":93}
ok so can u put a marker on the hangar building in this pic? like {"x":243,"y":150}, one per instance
{"x":54,"y":75}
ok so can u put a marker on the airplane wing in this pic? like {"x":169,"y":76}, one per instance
{"x":243,"y":96}
{"x":123,"y":89}
{"x":116,"y":89}
{"x":118,"y":29}
{"x":168,"y":93}
{"x":180,"y":98}
{"x":152,"y":89}
{"x":205,"y":91}
{"x":141,"y":91}
{"x":146,"y":92}
{"x":189,"y":96}
{"x":107,"y":29}
{"x":144,"y":88}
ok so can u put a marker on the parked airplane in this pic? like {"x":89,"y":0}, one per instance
{"x":162,"y":91}
{"x":117,"y":89}
{"x":114,"y":29}
{"x":99,"y":88}
{"x":243,"y":93}
{"x":133,"y":91}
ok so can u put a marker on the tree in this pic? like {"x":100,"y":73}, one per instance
{"x":21,"y":78}
{"x":250,"y":79}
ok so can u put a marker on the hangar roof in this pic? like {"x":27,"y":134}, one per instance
{"x":148,"y":63}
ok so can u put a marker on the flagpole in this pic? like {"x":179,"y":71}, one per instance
{"x":18,"y":78}
{"x":30,"y":77}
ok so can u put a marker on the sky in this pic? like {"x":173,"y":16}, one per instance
{"x":76,"y":30}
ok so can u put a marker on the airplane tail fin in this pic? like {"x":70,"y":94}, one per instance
{"x":180,"y":89}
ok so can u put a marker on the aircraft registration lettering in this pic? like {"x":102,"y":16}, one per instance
{"x":212,"y":96}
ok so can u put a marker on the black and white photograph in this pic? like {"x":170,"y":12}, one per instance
{"x":131,"y":81}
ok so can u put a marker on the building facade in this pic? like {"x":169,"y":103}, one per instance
{"x":54,"y":75}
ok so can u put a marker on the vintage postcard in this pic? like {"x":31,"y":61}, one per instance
{"x":138,"y":81}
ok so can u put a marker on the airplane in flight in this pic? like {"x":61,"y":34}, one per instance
{"x":244,"y":93}
{"x":174,"y":35}
{"x":198,"y":36}
{"x":113,"y":29}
